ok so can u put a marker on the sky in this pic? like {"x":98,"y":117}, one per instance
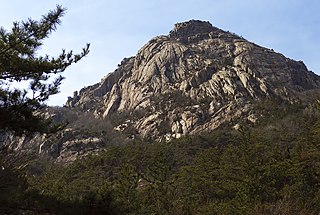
{"x":119,"y":28}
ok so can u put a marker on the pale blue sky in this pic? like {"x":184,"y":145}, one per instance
{"x":119,"y":28}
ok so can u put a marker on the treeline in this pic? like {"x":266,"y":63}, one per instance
{"x":272,"y":167}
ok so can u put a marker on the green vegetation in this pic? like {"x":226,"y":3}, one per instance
{"x":20,"y":62}
{"x":272,"y":167}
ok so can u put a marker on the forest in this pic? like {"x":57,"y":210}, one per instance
{"x":270,"y":167}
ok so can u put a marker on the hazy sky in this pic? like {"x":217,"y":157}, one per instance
{"x":119,"y":28}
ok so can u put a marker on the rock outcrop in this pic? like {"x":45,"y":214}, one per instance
{"x":194,"y":79}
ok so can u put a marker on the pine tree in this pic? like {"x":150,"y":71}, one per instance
{"x":19,"y":61}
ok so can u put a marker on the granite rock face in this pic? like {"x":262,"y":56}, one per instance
{"x":190,"y":81}
{"x":64,"y":146}
{"x":194,"y":79}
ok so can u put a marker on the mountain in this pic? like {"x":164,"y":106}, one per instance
{"x":193,"y":80}
{"x":200,"y":121}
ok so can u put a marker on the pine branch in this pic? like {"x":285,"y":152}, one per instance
{"x":18,"y":62}
{"x":52,"y":17}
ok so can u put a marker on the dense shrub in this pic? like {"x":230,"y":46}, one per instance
{"x":267,"y":168}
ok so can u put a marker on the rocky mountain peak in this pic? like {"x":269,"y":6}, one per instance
{"x":193,"y":80}
{"x":191,"y":28}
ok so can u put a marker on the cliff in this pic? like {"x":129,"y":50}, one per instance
{"x":192,"y":80}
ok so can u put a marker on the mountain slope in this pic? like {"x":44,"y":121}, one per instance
{"x":193,"y":80}
{"x":254,"y":121}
